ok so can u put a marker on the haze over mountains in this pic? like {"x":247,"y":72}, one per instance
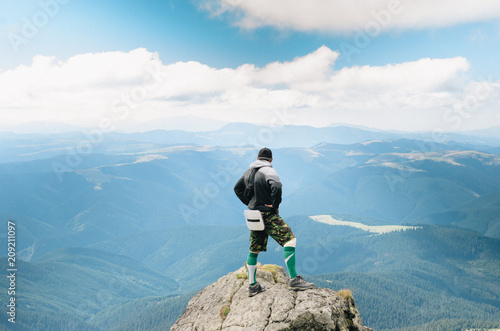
{"x":155,"y":211}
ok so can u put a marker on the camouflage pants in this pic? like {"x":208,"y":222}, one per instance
{"x":275,"y":227}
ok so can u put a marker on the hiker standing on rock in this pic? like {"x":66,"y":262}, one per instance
{"x":260,"y":189}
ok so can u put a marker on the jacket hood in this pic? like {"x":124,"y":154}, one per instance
{"x":260,"y":164}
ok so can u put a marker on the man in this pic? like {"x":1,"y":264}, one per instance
{"x":267,"y":198}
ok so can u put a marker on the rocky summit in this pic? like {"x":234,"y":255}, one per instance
{"x":225,"y":305}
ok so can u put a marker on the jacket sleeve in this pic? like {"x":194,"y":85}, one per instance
{"x":275,"y":193}
{"x":239,"y":189}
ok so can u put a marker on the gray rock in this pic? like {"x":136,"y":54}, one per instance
{"x":225,"y":305}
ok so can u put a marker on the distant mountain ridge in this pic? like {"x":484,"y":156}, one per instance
{"x":146,"y":187}
{"x":20,"y":147}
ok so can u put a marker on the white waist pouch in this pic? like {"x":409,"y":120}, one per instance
{"x":254,"y":219}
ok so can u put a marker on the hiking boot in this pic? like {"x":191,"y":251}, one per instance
{"x":300,"y":284}
{"x":255,"y":289}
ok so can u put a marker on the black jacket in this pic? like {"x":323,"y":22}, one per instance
{"x":267,"y":187}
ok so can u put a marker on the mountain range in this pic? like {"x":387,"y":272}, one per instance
{"x":154,"y":215}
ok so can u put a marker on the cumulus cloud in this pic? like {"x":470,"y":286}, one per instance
{"x":128,"y":88}
{"x":346,"y":15}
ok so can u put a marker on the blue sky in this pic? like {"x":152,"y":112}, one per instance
{"x":336,"y":43}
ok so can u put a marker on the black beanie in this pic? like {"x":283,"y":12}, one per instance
{"x":265,"y":154}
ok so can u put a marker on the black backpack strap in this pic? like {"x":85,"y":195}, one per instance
{"x":251,"y":178}
{"x":249,"y":185}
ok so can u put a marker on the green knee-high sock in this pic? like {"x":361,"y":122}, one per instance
{"x":252,"y":267}
{"x":289,"y":255}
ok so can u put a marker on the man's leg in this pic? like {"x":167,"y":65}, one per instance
{"x":258,"y":243}
{"x":282,"y":233}
{"x":252,"y":267}
{"x":289,"y":256}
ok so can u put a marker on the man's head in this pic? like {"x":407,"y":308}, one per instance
{"x":265,"y":154}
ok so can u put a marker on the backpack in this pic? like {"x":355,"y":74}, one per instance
{"x":249,"y":186}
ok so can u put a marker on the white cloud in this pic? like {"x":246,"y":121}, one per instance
{"x":346,"y":15}
{"x":422,"y":75}
{"x":130,"y":88}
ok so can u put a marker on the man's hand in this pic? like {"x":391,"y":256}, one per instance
{"x":271,"y":206}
